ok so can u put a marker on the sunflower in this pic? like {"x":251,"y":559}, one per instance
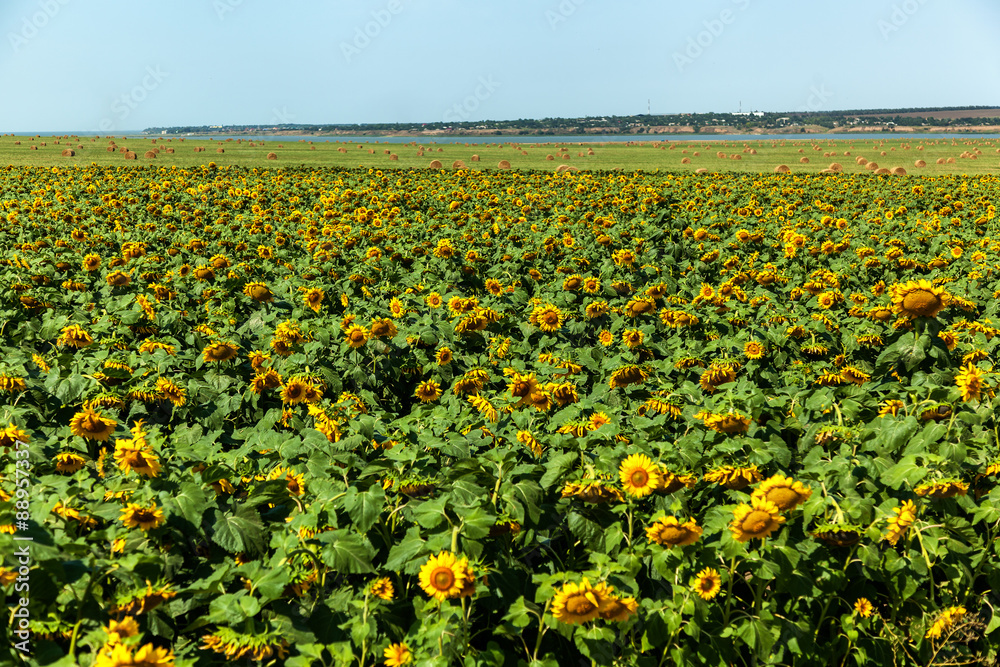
{"x":707,"y":583}
{"x":639,"y":475}
{"x":69,"y":462}
{"x":596,"y":309}
{"x":626,"y":375}
{"x":443,"y":356}
{"x":904,"y":517}
{"x":591,"y":285}
{"x":134,"y":454}
{"x":918,"y":298}
{"x":171,"y":391}
{"x":670,"y":532}
{"x":356,"y":336}
{"x":259,"y":292}
{"x":120,"y":655}
{"x":382,"y":588}
{"x":547,"y":317}
{"x":118,"y":279}
{"x":942,"y":489}
{"x":529,"y":441}
{"x":92,"y":425}
{"x":945,"y":622}
{"x":729,"y":423}
{"x":717,"y":375}
{"x":313,"y":298}
{"x":137,"y":516}
{"x":759,"y":519}
{"x":632,"y":338}
{"x":971,"y":382}
{"x":754,"y":350}
{"x":11,"y":384}
{"x":838,"y":534}
{"x":10,"y":435}
{"x":863,"y":607}
{"x":428,"y":391}
{"x":396,"y":308}
{"x":294,"y":391}
{"x":433,"y":300}
{"x":74,"y":336}
{"x":236,"y":645}
{"x":219,"y":351}
{"x":383,"y":328}
{"x":397,"y":654}
{"x":577,"y":603}
{"x":641,"y":306}
{"x":91,"y":263}
{"x":443,"y":576}
{"x":150,"y":345}
{"x":605,"y":337}
{"x":118,"y":630}
{"x":784,"y":492}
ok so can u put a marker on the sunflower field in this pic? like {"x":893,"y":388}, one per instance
{"x":318,"y":416}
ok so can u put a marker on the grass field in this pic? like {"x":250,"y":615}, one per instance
{"x":715,"y":155}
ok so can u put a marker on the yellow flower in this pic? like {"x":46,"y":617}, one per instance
{"x":547,"y":317}
{"x":384,"y":328}
{"x":754,"y":350}
{"x":69,"y":462}
{"x":216,"y":352}
{"x":904,"y":517}
{"x":171,"y":391}
{"x":863,"y":607}
{"x":942,"y":489}
{"x":918,"y":298}
{"x":707,"y":583}
{"x":92,"y":425}
{"x":137,"y":516}
{"x":670,"y":532}
{"x":632,"y":338}
{"x":314,"y":298}
{"x":397,"y":654}
{"x":757,"y":520}
{"x":259,"y":292}
{"x":382,"y":588}
{"x":428,"y":391}
{"x":443,"y":576}
{"x":577,"y":603}
{"x":784,"y":492}
{"x":946,"y":621}
{"x":972,"y":383}
{"x":639,"y":475}
{"x":10,"y":435}
{"x":120,"y":655}
{"x":356,"y":336}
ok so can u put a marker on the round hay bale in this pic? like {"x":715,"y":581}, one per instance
{"x":685,"y":160}
{"x":503,"y":164}
{"x":737,"y":156}
{"x":341,"y":150}
{"x":872,"y":166}
{"x":420,"y":153}
{"x":436,"y":164}
{"x":861,"y":161}
{"x":836,"y":167}
{"x":550,"y":157}
{"x":168,"y":150}
{"x":804,"y":160}
{"x":697,"y":154}
{"x":847,"y":153}
{"x":393,"y":157}
{"x":110,"y":149}
{"x":782,"y":169}
{"x":950,"y":160}
{"x":474,"y":158}
{"x":17,"y":143}
{"x":565,"y":167}
{"x":129,"y":155}
{"x":458,"y":164}
{"x":898,"y":171}
{"x":69,"y":152}
{"x":940,"y":160}
{"x":919,"y":163}
{"x":883,"y":172}
{"x":272,"y":156}
{"x":883,"y":153}
{"x":701,"y":170}
{"x":34,"y":148}
{"x":149,"y":155}
{"x":220,"y":150}
{"x":387,"y":151}
{"x":720,"y":154}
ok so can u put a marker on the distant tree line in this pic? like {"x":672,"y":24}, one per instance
{"x":637,"y":124}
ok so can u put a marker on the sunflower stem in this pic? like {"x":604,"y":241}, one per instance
{"x":729,"y":593}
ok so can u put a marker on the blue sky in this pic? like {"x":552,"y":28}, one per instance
{"x":124,"y":65}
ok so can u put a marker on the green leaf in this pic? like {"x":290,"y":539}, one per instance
{"x":364,"y":508}
{"x":240,"y":531}
{"x":346,"y":552}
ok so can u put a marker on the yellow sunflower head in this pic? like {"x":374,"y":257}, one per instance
{"x":757,"y":520}
{"x":443,"y":576}
{"x":918,"y":298}
{"x":640,"y":476}
{"x":784,"y":492}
